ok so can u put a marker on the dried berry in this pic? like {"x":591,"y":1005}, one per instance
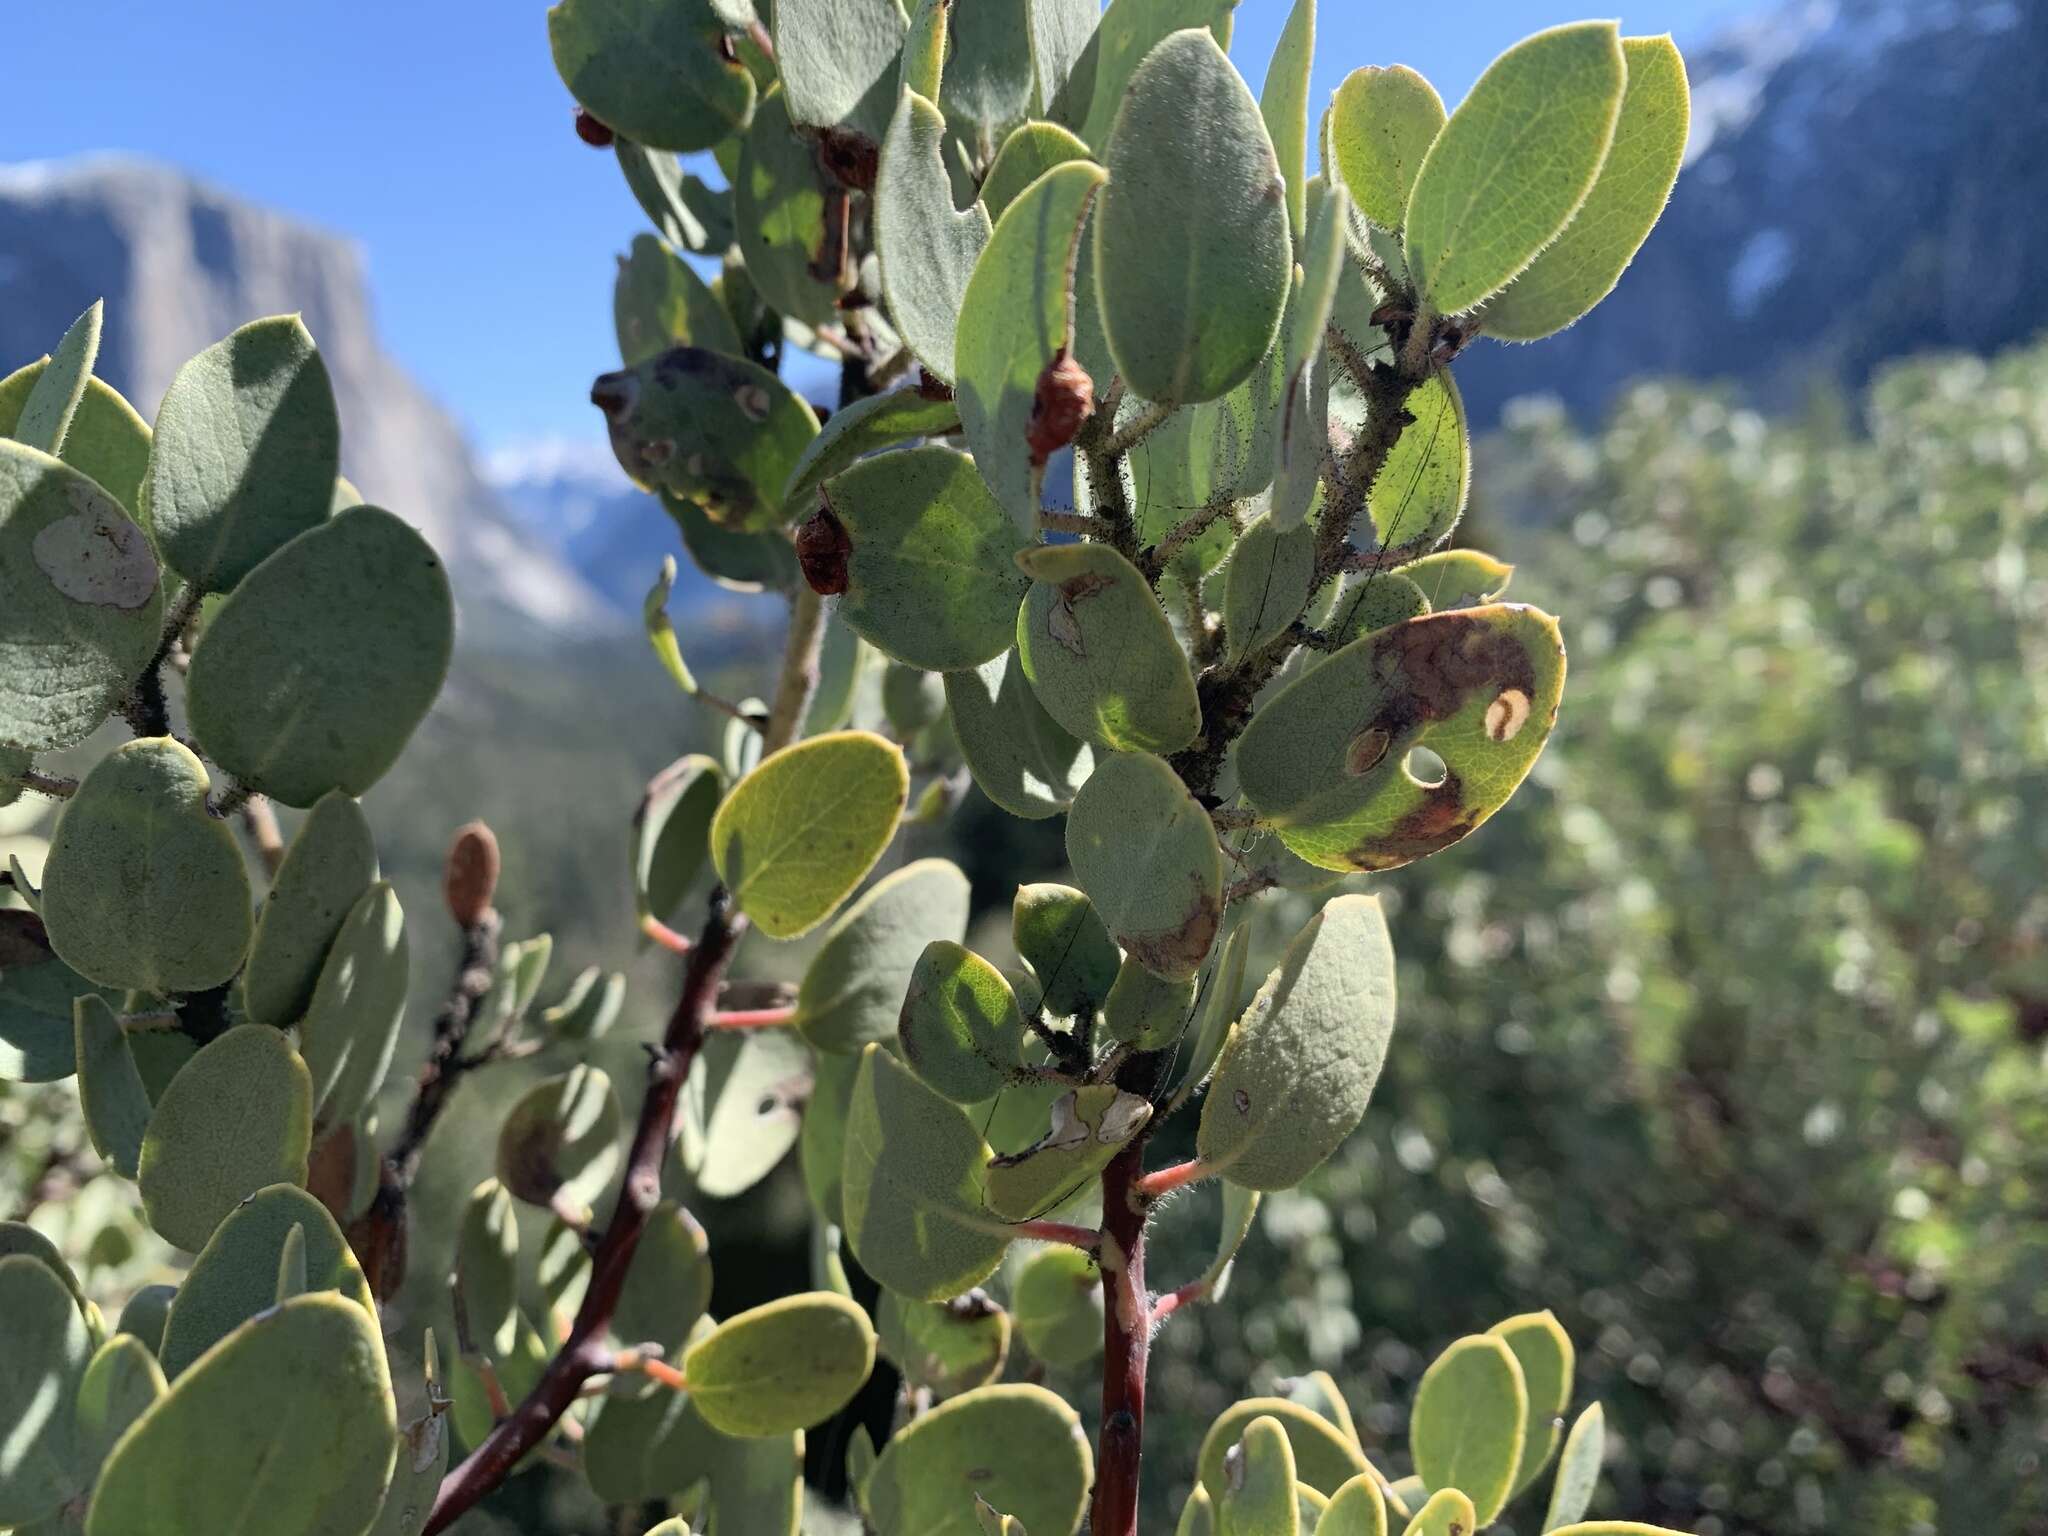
{"x":593,"y":132}
{"x":821,"y":549}
{"x":469,"y":879}
{"x":852,"y":158}
{"x":1062,"y":402}
{"x":929,"y":388}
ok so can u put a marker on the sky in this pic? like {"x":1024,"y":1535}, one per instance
{"x":436,"y":134}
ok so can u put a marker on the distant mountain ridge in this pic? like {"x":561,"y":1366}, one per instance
{"x":1867,"y":178}
{"x":181,"y":264}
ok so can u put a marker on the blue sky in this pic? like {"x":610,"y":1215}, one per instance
{"x":436,"y":134}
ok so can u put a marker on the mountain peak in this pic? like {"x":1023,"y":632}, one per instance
{"x":181,"y":263}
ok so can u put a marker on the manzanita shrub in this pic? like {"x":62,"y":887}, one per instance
{"x":1240,"y":659}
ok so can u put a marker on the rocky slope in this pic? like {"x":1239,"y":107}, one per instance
{"x":180,"y":264}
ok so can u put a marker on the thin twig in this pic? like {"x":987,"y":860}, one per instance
{"x":751,"y":1018}
{"x":1087,"y":1239}
{"x":475,"y":972}
{"x":55,"y":785}
{"x":259,"y":821}
{"x":584,"y":1353}
{"x":1133,"y":432}
{"x":1075,"y":522}
{"x":1164,"y":1181}
{"x":1174,"y":1300}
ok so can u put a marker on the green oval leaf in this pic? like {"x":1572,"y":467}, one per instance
{"x":822,"y":1143}
{"x":352,"y":625}
{"x":1358,"y":1508}
{"x":1539,"y":122}
{"x":659,"y":301}
{"x":687,"y":211}
{"x":927,"y":248}
{"x":1578,"y":1469}
{"x":110,"y":1090}
{"x":237,"y":1118}
{"x":351,"y":1027}
{"x":737,"y":560}
{"x":1192,"y":252}
{"x":783,"y":1366}
{"x":330,"y":864}
{"x":487,"y":1267}
{"x":1544,"y":1352}
{"x":912,"y":1186}
{"x":931,"y":571}
{"x":1099,"y":653}
{"x":796,"y":835}
{"x":1420,"y":491}
{"x":1146,"y":853}
{"x":854,"y":431}
{"x":1383,"y":122}
{"x":672,"y":832}
{"x":286,"y":1428}
{"x":719,"y":431}
{"x":37,"y":995}
{"x":107,"y":442}
{"x":1060,"y":936}
{"x":46,"y":1354}
{"x":142,"y":888}
{"x":1123,"y":38}
{"x":669,"y":1285}
{"x":662,"y":74}
{"x":84,"y":602}
{"x":46,"y":415}
{"x":853,"y":989}
{"x":1458,"y":578}
{"x":561,"y":1140}
{"x":1581,"y":267}
{"x":1324,"y":1457}
{"x":1257,"y":1496}
{"x":1058,"y":1301}
{"x":121,"y":1383}
{"x":1147,"y":1011}
{"x":1467,"y":1427}
{"x":1266,"y":584}
{"x":245,"y":454}
{"x":1283,"y":103}
{"x":1015,"y":317}
{"x":778,"y":204}
{"x":1299,"y":1068}
{"x":1373,"y":602}
{"x":959,"y":1026}
{"x":1018,"y":1448}
{"x":742,"y":1108}
{"x":235,"y":1276}
{"x":1324,"y":762}
{"x":1028,"y":153}
{"x":944,"y":1347}
{"x":1448,"y":1513}
{"x":590,"y":1006}
{"x":837,"y":60}
{"x":1018,"y":754}
{"x":147,"y":1313}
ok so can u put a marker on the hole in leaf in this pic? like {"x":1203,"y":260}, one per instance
{"x":1425,"y":767}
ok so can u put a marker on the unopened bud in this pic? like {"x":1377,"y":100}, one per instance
{"x":469,"y":880}
{"x":821,"y":549}
{"x":1064,"y":397}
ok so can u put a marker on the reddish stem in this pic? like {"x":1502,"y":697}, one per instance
{"x":1173,"y":1301}
{"x":1086,"y":1238}
{"x":751,"y":1018}
{"x":1127,"y":1339}
{"x":1165,"y":1181}
{"x":665,"y":936}
{"x":584,"y":1353}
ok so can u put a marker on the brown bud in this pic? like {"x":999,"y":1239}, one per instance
{"x":850,"y":157}
{"x":592,"y":132}
{"x":470,"y":878}
{"x":929,"y":388}
{"x":821,"y":549}
{"x":1063,"y":400}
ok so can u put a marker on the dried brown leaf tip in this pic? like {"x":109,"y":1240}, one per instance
{"x":822,"y":548}
{"x":469,"y":880}
{"x":1064,"y":397}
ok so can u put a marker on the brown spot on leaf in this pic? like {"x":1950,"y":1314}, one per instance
{"x":752,"y":400}
{"x":1507,"y":714}
{"x":1242,"y":1101}
{"x":617,"y":395}
{"x":1366,"y":750}
{"x":1431,"y":664}
{"x":1180,"y":949}
{"x":22,"y":940}
{"x":1439,"y":820}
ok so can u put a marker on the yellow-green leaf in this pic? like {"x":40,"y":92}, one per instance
{"x":1469,"y":1422}
{"x":1257,"y":1496}
{"x":1581,"y":267}
{"x":786,"y":1365}
{"x":1514,"y":163}
{"x":1578,"y":1469}
{"x":1382,"y":124}
{"x":1016,"y":1447}
{"x":796,"y":835}
{"x":1324,"y":1457}
{"x":1544,"y":1351}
